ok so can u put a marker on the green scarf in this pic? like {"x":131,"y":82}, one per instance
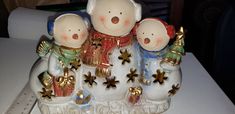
{"x":66,"y":55}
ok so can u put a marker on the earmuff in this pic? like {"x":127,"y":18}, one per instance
{"x":52,"y":19}
{"x":169,"y":28}
{"x":138,"y":9}
{"x":50,"y":25}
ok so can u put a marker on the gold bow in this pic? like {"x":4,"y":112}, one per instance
{"x":137,"y":91}
{"x":65,"y":80}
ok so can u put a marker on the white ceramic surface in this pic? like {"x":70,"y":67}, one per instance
{"x":69,"y":30}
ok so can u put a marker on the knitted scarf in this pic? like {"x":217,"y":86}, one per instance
{"x":145,"y":55}
{"x":98,"y":54}
{"x":66,"y":55}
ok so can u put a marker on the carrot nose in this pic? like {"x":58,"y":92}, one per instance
{"x":75,"y":36}
{"x":115,"y":20}
{"x":146,"y":40}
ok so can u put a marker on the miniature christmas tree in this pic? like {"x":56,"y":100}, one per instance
{"x":176,"y":50}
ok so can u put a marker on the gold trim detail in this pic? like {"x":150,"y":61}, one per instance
{"x":46,"y":80}
{"x":144,"y":81}
{"x":102,"y":72}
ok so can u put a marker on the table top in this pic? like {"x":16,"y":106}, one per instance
{"x":199,"y":93}
{"x":16,"y":58}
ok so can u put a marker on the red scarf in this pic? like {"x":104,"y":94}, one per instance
{"x":100,"y":56}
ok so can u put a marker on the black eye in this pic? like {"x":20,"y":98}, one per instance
{"x":78,"y":29}
{"x":143,"y":32}
{"x":120,"y":13}
{"x":109,"y":11}
{"x":69,"y":30}
{"x":152,"y":34}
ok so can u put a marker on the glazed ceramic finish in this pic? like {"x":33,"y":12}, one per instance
{"x":163,"y":80}
{"x":160,"y":92}
{"x":115,"y":74}
{"x":114,"y":17}
{"x":152,"y":35}
{"x":69,"y":31}
{"x":118,"y":70}
{"x":110,"y":19}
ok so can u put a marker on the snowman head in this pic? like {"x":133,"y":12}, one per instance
{"x":69,"y":30}
{"x":153,"y":34}
{"x":114,"y":17}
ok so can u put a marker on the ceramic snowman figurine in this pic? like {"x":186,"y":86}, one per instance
{"x":109,"y":54}
{"x":159,"y":79}
{"x":55,"y":76}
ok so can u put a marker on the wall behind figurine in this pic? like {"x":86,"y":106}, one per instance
{"x":3,"y":20}
{"x":201,"y":19}
{"x":223,"y":62}
{"x":13,"y":4}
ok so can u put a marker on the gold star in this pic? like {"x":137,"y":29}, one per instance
{"x":174,"y":89}
{"x":132,"y":75}
{"x":180,"y":33}
{"x":96,"y":42}
{"x":111,"y":82}
{"x":89,"y":79}
{"x":180,"y":37}
{"x":125,"y":56}
{"x":76,"y":64}
{"x":159,"y":77}
{"x":46,"y":93}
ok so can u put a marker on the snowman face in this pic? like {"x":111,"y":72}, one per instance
{"x":70,"y":30}
{"x":152,"y":35}
{"x":113,"y":17}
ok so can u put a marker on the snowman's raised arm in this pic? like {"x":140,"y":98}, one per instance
{"x":54,"y":65}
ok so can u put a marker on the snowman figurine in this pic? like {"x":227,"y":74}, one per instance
{"x":159,"y":79}
{"x":109,"y":54}
{"x":54,"y":77}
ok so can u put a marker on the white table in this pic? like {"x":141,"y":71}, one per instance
{"x":16,"y":58}
{"x":199,"y":93}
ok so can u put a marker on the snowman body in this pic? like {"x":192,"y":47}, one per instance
{"x":113,"y":58}
{"x":54,"y":77}
{"x":163,"y":82}
{"x":120,"y":71}
{"x":159,"y":80}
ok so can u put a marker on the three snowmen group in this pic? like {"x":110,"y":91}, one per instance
{"x":115,"y":66}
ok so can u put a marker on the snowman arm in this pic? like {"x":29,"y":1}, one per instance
{"x":54,"y":67}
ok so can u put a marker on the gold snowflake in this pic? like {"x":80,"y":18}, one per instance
{"x":125,"y":56}
{"x":159,"y":77}
{"x":76,"y":64}
{"x":132,"y":75}
{"x":174,"y":89}
{"x":111,"y":82}
{"x":89,"y":79}
{"x":46,"y":93}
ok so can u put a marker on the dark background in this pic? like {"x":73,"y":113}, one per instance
{"x":210,"y":26}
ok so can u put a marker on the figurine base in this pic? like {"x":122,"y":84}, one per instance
{"x":110,"y":107}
